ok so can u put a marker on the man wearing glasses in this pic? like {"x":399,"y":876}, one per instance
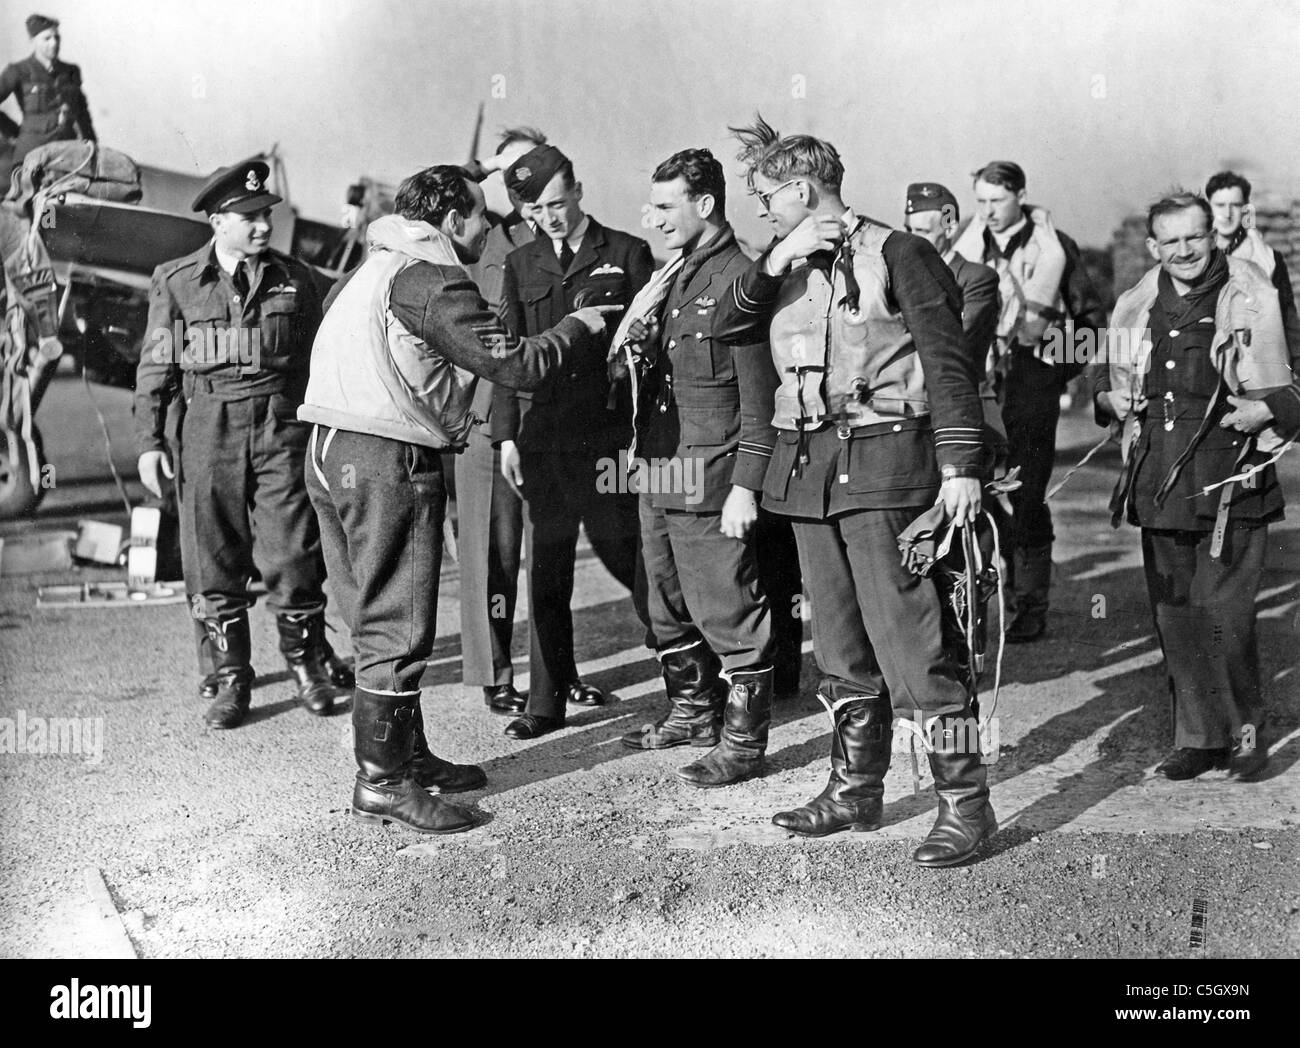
{"x":878,"y":418}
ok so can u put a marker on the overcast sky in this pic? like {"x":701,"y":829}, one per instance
{"x":1104,"y":103}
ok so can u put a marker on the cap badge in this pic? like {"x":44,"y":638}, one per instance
{"x":252,"y":183}
{"x":523,"y":174}
{"x":929,"y":191}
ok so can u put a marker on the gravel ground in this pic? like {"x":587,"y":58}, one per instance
{"x":240,"y":843}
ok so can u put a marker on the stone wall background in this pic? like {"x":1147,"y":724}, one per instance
{"x":1276,"y":217}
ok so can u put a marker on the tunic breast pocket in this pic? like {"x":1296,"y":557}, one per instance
{"x":699,"y":355}
{"x":41,"y":98}
{"x":536,"y":299}
{"x":602,"y":291}
{"x":280,"y":326}
{"x":210,"y":335}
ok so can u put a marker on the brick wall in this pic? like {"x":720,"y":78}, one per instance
{"x":1277,"y":219}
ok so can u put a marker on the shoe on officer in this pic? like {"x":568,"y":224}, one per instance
{"x":504,"y":699}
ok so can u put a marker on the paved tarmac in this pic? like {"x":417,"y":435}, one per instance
{"x":177,"y":841}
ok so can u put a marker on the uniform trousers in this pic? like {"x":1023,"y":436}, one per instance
{"x":704,"y":583}
{"x":560,"y":494}
{"x":244,"y":506}
{"x":781,"y":582}
{"x":1031,"y":408}
{"x":1204,"y":612}
{"x":877,"y":628}
{"x":381,"y":505}
{"x":490,"y":530}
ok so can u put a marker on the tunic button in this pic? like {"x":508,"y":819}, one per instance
{"x":699,"y":334}
{"x":898,"y":428}
{"x":675,"y":313}
{"x":1169,"y":364}
{"x":672,"y":343}
{"x":1173,"y":333}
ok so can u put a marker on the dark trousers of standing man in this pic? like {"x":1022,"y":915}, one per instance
{"x":381,"y":505}
{"x":1204,"y":610}
{"x":245,"y":506}
{"x":702,"y":582}
{"x":560,"y":494}
{"x":1031,"y":409}
{"x":877,"y":628}
{"x":490,"y":528}
{"x":781,"y":581}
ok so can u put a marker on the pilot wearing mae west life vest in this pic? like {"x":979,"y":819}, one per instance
{"x":878,"y":411}
{"x":1197,"y":364}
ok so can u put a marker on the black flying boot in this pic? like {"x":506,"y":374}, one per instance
{"x":340,"y":673}
{"x":300,"y":637}
{"x":385,"y":791}
{"x":434,"y":773}
{"x":695,"y":697}
{"x":745,"y":722}
{"x":231,"y":649}
{"x":209,"y":684}
{"x":1033,"y":584}
{"x":961,"y":780}
{"x":861,"y":734}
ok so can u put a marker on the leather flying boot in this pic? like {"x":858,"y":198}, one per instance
{"x":383,"y":734}
{"x":300,"y":637}
{"x":853,"y":799}
{"x":432,"y":772}
{"x":961,"y":780}
{"x":340,"y":673}
{"x":230,"y":646}
{"x":1033,"y":584}
{"x":695,"y":697}
{"x":745,"y":721}
{"x":209,"y":684}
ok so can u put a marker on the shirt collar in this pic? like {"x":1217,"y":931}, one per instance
{"x":1235,"y":241}
{"x":217,"y":260}
{"x":1003,"y":239}
{"x":225,"y":261}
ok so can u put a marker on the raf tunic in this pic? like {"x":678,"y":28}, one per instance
{"x":876,"y":627}
{"x":704,"y":426}
{"x":569,"y":437}
{"x":240,"y":363}
{"x":54,"y":107}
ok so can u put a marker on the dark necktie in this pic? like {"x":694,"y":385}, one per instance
{"x":240,"y":280}
{"x":566,"y":255}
